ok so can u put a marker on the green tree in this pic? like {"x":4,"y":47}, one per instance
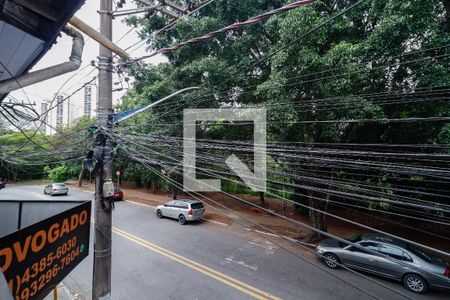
{"x":382,"y":46}
{"x":58,"y":174}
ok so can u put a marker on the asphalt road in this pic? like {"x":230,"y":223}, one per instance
{"x":160,"y":259}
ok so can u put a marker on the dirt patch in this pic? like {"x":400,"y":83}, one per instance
{"x":283,"y":230}
{"x":218,"y":218}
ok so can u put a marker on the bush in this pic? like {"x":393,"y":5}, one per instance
{"x":58,"y":174}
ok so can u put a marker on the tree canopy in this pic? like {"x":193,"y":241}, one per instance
{"x":382,"y":60}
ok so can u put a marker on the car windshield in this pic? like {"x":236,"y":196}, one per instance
{"x":425,"y":256}
{"x":196,"y":205}
{"x":352,"y":239}
{"x":59,"y":185}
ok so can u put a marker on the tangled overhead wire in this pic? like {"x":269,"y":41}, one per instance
{"x":332,"y":166}
{"x":254,"y":20}
{"x":23,"y":111}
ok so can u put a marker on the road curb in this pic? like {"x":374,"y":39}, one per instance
{"x":81,"y":190}
{"x":141,"y":204}
{"x":216,"y":222}
{"x":281,"y":236}
{"x":63,"y":293}
{"x":151,"y":206}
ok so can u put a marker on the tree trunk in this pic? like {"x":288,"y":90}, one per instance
{"x":318,"y":219}
{"x":80,"y":176}
{"x":262,"y":200}
{"x":317,"y":201}
{"x":300,"y":197}
{"x":446,"y":4}
{"x":174,"y":193}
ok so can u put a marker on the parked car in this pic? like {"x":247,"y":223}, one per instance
{"x":416,"y":278}
{"x":184,"y":210}
{"x":54,"y":189}
{"x":2,"y":183}
{"x":118,"y":194}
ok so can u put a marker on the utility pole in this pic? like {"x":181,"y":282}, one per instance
{"x":101,"y":286}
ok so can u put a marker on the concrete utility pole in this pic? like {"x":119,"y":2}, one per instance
{"x":101,"y":288}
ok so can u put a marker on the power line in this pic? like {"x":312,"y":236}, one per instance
{"x":69,"y":96}
{"x":211,"y":35}
{"x":327,"y":191}
{"x":271,"y":240}
{"x":215,"y":94}
{"x":295,"y":40}
{"x":215,"y":171}
{"x":333,"y":236}
{"x":165,"y":28}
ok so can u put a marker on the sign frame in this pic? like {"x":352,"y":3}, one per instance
{"x":35,"y":259}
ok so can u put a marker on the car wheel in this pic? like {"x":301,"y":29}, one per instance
{"x":182,"y":219}
{"x":159,"y":214}
{"x":331,"y":260}
{"x":415,"y":283}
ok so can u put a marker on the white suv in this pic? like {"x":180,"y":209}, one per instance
{"x":184,"y":210}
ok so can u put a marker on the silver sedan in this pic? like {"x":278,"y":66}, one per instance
{"x":54,"y":189}
{"x":388,"y":257}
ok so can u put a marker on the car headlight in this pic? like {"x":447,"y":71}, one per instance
{"x":320,"y":250}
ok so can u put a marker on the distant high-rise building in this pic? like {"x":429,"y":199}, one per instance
{"x":59,"y":110}
{"x":44,"y":117}
{"x":87,"y":100}
{"x":67,"y":110}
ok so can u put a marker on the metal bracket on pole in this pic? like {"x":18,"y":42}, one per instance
{"x":105,"y":63}
{"x":106,"y":12}
{"x":126,"y":12}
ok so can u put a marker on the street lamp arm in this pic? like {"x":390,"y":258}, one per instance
{"x":120,"y":117}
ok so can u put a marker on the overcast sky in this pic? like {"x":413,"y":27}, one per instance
{"x":60,"y":52}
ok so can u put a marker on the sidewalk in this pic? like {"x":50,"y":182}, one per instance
{"x":63,"y":294}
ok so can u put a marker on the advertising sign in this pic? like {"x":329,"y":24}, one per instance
{"x":36,"y":258}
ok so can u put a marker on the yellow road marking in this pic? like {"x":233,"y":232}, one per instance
{"x":230,"y":281}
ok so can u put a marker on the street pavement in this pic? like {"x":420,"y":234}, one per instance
{"x":160,"y":259}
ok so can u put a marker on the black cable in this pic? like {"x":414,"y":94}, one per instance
{"x":271,"y":240}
